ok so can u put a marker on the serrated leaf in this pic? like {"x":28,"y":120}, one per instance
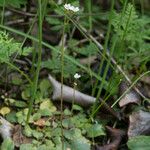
{"x":53,"y":21}
{"x":36,"y":134}
{"x":76,"y":140}
{"x":95,"y":130}
{"x":88,"y":50}
{"x":27,"y":147}
{"x":28,"y":131}
{"x":67,"y":112}
{"x":77,"y":107}
{"x":45,"y":112}
{"x":47,"y":104}
{"x":44,"y":85}
{"x":80,"y":145}
{"x":11,"y":117}
{"x":36,"y":116}
{"x":26,"y":94}
{"x":67,"y":123}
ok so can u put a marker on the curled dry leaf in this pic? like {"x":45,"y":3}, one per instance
{"x":70,"y":95}
{"x":131,"y":97}
{"x":116,"y":136}
{"x":18,"y":137}
{"x":139,"y":123}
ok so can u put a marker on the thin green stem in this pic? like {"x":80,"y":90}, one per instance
{"x":34,"y":87}
{"x":3,"y":11}
{"x":90,"y":12}
{"x":142,"y":7}
{"x":74,"y":89}
{"x":62,"y":80}
{"x":17,"y":69}
{"x":30,"y":29}
{"x":102,"y":61}
{"x":103,"y":102}
{"x":106,"y":43}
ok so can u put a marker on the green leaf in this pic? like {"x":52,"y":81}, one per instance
{"x":26,"y":93}
{"x":11,"y":117}
{"x":4,"y":110}
{"x":16,"y":103}
{"x":56,"y":132}
{"x":77,"y":107}
{"x":67,"y":112}
{"x":45,"y":112}
{"x":139,"y":143}
{"x":54,"y":21}
{"x":8,"y":47}
{"x":95,"y":130}
{"x":13,"y":3}
{"x":78,"y":144}
{"x":22,"y":116}
{"x":88,"y":50}
{"x":47,"y":104}
{"x":7,"y":144}
{"x":36,"y":134}
{"x":27,"y":147}
{"x":44,"y":86}
{"x":67,"y":123}
{"x":36,"y":116}
{"x":16,"y":79}
{"x":26,"y":51}
{"x":49,"y":143}
{"x":79,"y":120}
{"x":28,"y":131}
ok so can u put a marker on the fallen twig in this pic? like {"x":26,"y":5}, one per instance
{"x":71,"y":95}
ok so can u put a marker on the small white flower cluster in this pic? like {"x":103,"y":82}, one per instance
{"x":77,"y":76}
{"x":70,"y":7}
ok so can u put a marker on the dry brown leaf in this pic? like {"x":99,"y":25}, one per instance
{"x":130,"y":97}
{"x":18,"y":137}
{"x":116,"y":136}
{"x":41,"y":122}
{"x":139,"y":123}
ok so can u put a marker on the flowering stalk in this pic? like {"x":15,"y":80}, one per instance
{"x":70,"y":7}
{"x":76,"y":76}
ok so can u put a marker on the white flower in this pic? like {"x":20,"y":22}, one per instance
{"x":70,"y":7}
{"x":77,"y":76}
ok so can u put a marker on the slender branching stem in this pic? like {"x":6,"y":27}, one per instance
{"x":35,"y":83}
